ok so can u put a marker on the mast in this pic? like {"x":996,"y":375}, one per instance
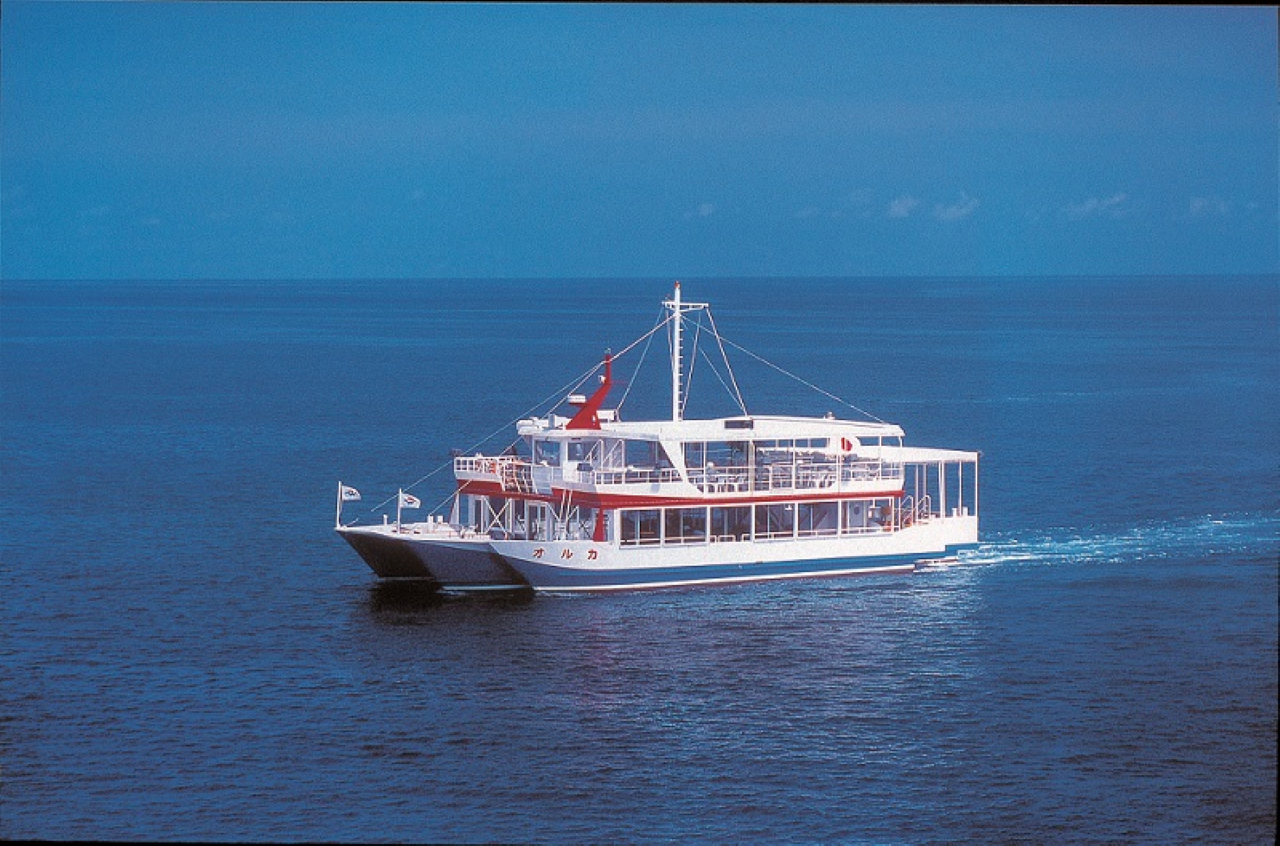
{"x":678,"y":308}
{"x":675,"y":354}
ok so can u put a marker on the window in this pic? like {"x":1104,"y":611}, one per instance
{"x":581,"y":524}
{"x":816,"y":518}
{"x":775,"y":521}
{"x":639,"y":526}
{"x":546,"y":452}
{"x":641,"y":453}
{"x":583,"y":450}
{"x":537,"y":521}
{"x":686,"y":525}
{"x":731,"y":523}
{"x":856,"y":514}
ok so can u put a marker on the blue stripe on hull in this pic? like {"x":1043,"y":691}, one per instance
{"x":551,"y":577}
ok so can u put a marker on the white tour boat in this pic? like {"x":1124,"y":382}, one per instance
{"x":593,"y":502}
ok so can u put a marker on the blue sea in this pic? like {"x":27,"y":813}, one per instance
{"x":189,"y":652}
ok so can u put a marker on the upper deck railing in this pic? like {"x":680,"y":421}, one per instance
{"x":803,"y":474}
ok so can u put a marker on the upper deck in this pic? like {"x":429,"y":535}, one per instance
{"x":723,"y":458}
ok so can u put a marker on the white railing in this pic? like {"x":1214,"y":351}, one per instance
{"x":518,"y":474}
{"x":631,"y":476}
{"x":911,"y":510}
{"x":800,"y":476}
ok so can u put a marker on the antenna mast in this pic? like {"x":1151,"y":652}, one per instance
{"x":677,"y":309}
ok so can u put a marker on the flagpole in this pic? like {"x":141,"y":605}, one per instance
{"x":337,"y":517}
{"x":399,"y":503}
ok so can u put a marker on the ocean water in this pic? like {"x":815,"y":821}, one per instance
{"x":188,"y":651}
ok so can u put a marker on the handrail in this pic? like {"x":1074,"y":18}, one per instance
{"x":912,"y":510}
{"x":516,"y":473}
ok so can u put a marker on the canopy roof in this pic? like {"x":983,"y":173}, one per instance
{"x":755,"y":428}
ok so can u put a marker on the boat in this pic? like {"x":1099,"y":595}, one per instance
{"x":587,"y":501}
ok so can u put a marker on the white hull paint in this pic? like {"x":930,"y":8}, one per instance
{"x":571,"y":565}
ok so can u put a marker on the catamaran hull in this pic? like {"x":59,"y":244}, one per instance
{"x":452,"y":563}
{"x":479,"y":563}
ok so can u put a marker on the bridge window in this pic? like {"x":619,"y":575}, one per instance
{"x":584,"y":450}
{"x":546,"y":452}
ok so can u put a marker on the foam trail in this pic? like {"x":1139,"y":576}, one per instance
{"x":1205,"y":535}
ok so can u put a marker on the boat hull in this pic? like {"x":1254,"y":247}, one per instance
{"x":550,"y":577}
{"x":458,"y":561}
{"x":587,"y":566}
{"x":451,"y":562}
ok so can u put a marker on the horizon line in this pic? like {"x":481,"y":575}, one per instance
{"x":649,"y":278}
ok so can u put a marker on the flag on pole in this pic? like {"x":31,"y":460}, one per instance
{"x":409,"y":500}
{"x":349,"y":494}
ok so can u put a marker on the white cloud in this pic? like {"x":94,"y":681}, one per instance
{"x":703,"y":210}
{"x":959,"y":211}
{"x":1116,"y":205}
{"x":903,"y":206}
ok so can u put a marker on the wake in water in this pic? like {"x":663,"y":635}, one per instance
{"x":1207,"y":535}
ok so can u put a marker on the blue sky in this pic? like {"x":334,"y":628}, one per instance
{"x":295,"y":140}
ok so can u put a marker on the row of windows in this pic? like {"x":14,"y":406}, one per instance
{"x":611,"y":452}
{"x":706,"y":524}
{"x":608,"y":452}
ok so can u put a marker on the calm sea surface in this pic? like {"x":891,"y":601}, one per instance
{"x":188,"y":651}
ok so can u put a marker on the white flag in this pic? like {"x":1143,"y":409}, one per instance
{"x":349,"y":494}
{"x":408,"y":500}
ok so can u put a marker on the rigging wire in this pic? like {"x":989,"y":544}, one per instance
{"x":802,"y":381}
{"x":712,"y":365}
{"x":636,"y":373}
{"x":693,"y":360}
{"x":570,"y":386}
{"x":647,"y":338}
{"x":720,"y":340}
